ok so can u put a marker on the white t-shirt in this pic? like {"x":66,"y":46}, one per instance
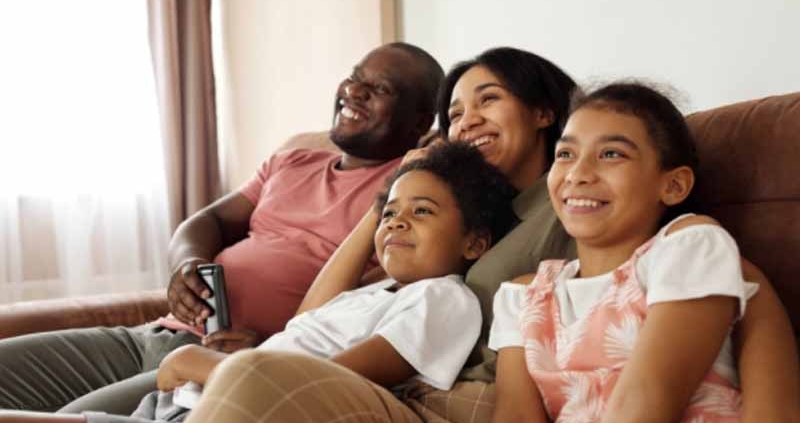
{"x":433,"y":324}
{"x":694,"y":262}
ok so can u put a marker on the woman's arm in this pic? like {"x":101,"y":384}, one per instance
{"x":518,"y":398}
{"x":344,"y":269}
{"x":675,"y":349}
{"x":190,"y":363}
{"x":768,"y":362}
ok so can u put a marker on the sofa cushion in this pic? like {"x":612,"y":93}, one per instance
{"x":748,"y":180}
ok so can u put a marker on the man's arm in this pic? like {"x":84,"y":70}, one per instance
{"x":344,"y":269}
{"x":768,"y":362}
{"x":198,"y":240}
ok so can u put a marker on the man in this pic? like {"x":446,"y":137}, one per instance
{"x":272,"y":237}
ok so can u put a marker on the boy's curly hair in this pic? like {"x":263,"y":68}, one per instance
{"x":482,"y":192}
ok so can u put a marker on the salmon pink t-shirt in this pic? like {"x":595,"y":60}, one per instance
{"x":304,"y":208}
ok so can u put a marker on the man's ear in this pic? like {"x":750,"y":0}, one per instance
{"x":477,"y":243}
{"x":677,"y":185}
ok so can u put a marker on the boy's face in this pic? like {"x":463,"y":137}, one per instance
{"x":421,"y":233}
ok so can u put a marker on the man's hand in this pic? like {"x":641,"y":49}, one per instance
{"x":229,"y":340}
{"x":186,"y":292}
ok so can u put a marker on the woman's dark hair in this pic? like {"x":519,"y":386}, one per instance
{"x":482,"y":192}
{"x":534,"y":80}
{"x":664,"y":123}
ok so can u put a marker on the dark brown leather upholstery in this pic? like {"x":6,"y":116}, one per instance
{"x":749,"y":180}
{"x":103,"y":310}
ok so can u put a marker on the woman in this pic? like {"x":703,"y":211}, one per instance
{"x":512,"y":105}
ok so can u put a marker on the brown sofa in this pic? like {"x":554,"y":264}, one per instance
{"x":748,"y":181}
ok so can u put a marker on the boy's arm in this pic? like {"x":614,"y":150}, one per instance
{"x":768,"y":362}
{"x":343,"y":270}
{"x":377,"y":360}
{"x":518,"y":399}
{"x":675,"y":349}
{"x":190,"y":363}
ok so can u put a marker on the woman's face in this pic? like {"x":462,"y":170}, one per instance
{"x":484,"y":113}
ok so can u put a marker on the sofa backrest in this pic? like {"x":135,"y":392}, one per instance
{"x":749,"y":181}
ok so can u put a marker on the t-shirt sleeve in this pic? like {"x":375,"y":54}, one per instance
{"x":695,"y":262}
{"x":508,"y":302}
{"x":434,"y":327}
{"x":252,"y":188}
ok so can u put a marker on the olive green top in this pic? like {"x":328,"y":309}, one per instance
{"x":539,"y":236}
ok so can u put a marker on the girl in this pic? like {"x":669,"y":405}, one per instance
{"x":637,"y":328}
{"x":513,"y":104}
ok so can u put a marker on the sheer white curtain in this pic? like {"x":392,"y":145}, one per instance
{"x":82,"y":187}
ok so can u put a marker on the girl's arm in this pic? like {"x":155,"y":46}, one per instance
{"x":190,"y":363}
{"x":768,"y":362}
{"x":343,"y":270}
{"x":377,"y":360}
{"x":517,"y":397}
{"x":674,"y":350}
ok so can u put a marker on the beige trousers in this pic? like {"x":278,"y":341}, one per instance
{"x":274,"y":387}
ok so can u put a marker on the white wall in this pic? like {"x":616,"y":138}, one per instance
{"x":278,"y":64}
{"x":713,"y":51}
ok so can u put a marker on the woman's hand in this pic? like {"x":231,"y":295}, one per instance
{"x":230,"y":340}
{"x":414,"y":154}
{"x":189,"y":363}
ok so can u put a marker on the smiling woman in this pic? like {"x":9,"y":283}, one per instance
{"x":82,"y":188}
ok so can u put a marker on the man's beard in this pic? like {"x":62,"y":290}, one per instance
{"x":368,"y":145}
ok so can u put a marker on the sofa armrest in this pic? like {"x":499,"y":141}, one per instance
{"x":129,"y":309}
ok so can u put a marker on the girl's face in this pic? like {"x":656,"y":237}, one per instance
{"x":421,"y":233}
{"x":606,"y":183}
{"x":484,"y":113}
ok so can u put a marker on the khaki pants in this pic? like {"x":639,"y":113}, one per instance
{"x":275,"y":387}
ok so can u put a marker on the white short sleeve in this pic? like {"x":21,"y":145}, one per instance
{"x":434,"y":326}
{"x":694,"y":262}
{"x":508,"y":303}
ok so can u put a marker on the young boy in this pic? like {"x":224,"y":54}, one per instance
{"x":440,"y":214}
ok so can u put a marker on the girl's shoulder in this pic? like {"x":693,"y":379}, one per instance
{"x":687,"y":221}
{"x":689,"y":232}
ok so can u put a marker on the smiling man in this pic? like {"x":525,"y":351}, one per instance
{"x":272,"y":236}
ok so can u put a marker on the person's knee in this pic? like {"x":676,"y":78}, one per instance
{"x":285,"y":369}
{"x":269,"y":362}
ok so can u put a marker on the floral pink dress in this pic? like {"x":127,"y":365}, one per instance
{"x":576,"y":366}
